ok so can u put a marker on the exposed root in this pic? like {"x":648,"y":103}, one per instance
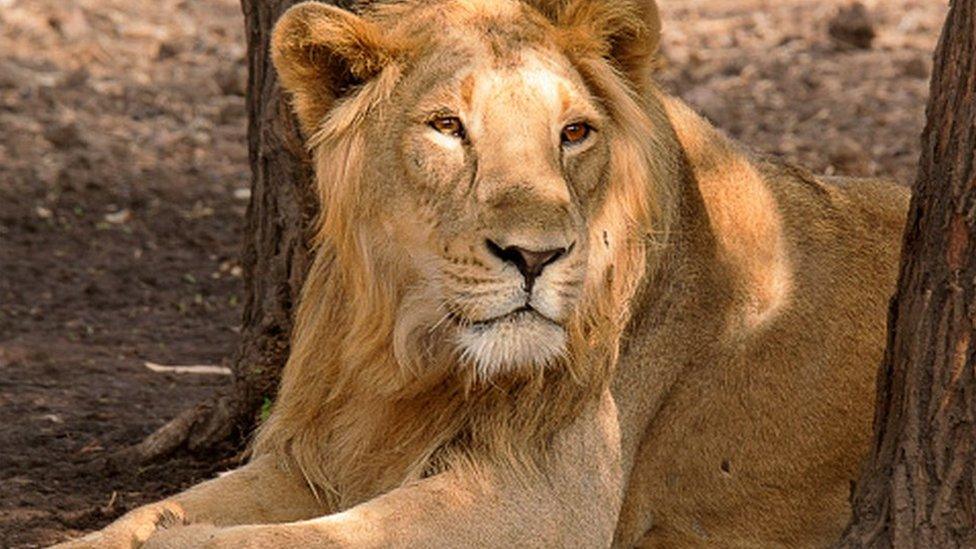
{"x":196,"y":429}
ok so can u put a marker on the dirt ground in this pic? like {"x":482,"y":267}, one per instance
{"x":123,"y":184}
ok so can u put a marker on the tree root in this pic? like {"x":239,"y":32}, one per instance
{"x":200,"y":428}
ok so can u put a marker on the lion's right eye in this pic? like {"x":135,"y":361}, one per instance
{"x":448,"y":125}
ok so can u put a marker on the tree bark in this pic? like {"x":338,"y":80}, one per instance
{"x":918,"y":488}
{"x":275,"y":256}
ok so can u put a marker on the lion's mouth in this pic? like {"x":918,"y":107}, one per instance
{"x":525,"y":312}
{"x":520,"y":337}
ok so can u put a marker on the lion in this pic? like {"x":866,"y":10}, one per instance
{"x":550,"y":305}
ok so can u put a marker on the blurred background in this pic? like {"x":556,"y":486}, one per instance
{"x":124,"y":181}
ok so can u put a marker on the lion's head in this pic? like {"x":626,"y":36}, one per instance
{"x":491,"y":172}
{"x":477,"y":163}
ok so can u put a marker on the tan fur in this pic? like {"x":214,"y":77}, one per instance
{"x":721,"y":314}
{"x":381,"y":398}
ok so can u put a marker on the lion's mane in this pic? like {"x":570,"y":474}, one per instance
{"x":369,"y":400}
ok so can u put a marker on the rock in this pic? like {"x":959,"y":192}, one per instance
{"x":917,"y":67}
{"x":167,"y":50}
{"x":76,"y":78}
{"x":852,"y":27}
{"x":64,"y":135}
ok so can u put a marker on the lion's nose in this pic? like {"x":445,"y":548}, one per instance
{"x":529,"y":262}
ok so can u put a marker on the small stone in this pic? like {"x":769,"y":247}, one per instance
{"x":852,"y":27}
{"x":916,"y":67}
{"x":64,"y":136}
{"x":167,"y":50}
{"x":76,"y":78}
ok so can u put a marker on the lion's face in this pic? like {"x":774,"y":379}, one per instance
{"x":469,"y":178}
{"x":498,"y":169}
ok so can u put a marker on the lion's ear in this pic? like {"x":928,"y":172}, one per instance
{"x":625,"y":32}
{"x":320,"y":52}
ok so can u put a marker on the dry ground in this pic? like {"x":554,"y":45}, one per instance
{"x":122,"y":188}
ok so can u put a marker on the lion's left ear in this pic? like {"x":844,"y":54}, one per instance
{"x":321,"y":52}
{"x":625,"y":32}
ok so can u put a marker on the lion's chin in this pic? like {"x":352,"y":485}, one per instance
{"x":519,"y":341}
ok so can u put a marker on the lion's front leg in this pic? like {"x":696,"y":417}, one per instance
{"x":258,"y":493}
{"x":445,"y":511}
{"x":573,"y":502}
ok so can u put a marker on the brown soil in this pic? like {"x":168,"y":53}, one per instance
{"x":122,"y":190}
{"x":122,"y":143}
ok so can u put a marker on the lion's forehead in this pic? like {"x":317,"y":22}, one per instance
{"x":534,"y":83}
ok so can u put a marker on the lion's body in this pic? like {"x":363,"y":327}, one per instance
{"x":756,"y":435}
{"x":698,"y":370}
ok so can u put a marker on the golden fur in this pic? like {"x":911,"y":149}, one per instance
{"x":384,"y":387}
{"x":706,"y":373}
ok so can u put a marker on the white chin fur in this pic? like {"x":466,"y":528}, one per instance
{"x":523,"y":341}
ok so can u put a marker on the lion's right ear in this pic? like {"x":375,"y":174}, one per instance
{"x":320,"y":52}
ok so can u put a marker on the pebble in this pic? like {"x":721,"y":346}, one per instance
{"x":64,"y":136}
{"x":916,"y":67}
{"x":852,"y":27}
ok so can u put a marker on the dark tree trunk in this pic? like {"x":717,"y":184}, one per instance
{"x":282,"y":209}
{"x":918,"y":488}
{"x":275,"y":256}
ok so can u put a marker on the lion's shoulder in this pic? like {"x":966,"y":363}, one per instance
{"x":784,"y":234}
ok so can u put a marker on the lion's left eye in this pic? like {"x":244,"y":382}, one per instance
{"x":576,"y":133}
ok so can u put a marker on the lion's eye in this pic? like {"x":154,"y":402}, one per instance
{"x":576,"y":133}
{"x":448,"y":125}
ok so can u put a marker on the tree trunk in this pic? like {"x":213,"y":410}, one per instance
{"x":918,"y":488}
{"x":275,"y":256}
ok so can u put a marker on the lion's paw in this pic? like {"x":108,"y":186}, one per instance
{"x":181,"y":537}
{"x":128,"y":532}
{"x":102,"y":539}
